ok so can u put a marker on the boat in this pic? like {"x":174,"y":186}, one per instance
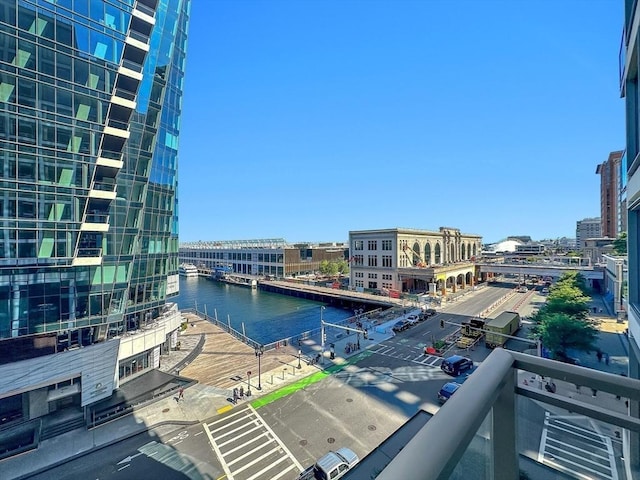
{"x":188,"y":270}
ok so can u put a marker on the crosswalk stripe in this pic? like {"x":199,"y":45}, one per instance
{"x":239,"y":447}
{"x":276,"y":477}
{"x":277,"y":439}
{"x":225,"y":467}
{"x":240,"y":436}
{"x":255,"y":460}
{"x":234,"y":414}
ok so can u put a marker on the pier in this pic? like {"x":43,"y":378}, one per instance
{"x":335,"y":297}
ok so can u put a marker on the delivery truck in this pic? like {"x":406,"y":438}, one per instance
{"x":496,"y":329}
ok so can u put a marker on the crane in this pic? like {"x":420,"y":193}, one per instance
{"x":414,"y":257}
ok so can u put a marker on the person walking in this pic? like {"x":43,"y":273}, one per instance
{"x":241,"y":392}
{"x":599,"y":356}
{"x":235,"y":396}
{"x":181,"y":393}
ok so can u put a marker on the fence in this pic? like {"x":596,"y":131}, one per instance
{"x":283,"y":342}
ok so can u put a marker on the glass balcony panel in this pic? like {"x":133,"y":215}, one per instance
{"x":476,"y":460}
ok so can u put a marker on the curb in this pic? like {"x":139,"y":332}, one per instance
{"x":107,"y":444}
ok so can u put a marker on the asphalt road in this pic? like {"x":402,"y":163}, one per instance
{"x":358,"y":407}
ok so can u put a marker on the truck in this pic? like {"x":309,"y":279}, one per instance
{"x":471,"y":333}
{"x":507,"y":323}
{"x":331,"y":466}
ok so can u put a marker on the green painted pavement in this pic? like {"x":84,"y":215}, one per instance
{"x":305,"y":382}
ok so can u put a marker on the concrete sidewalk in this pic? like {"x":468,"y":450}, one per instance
{"x":199,"y":402}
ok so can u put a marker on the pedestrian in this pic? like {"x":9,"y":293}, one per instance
{"x":181,"y":393}
{"x":241,"y":393}
{"x":235,"y":396}
{"x":599,"y":356}
{"x":606,"y":358}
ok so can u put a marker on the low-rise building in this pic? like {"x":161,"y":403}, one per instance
{"x":263,"y":257}
{"x":390,"y":261}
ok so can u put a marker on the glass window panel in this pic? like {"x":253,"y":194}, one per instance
{"x":26,"y":243}
{"x":26,"y":92}
{"x":47,"y":98}
{"x":82,"y":38}
{"x":8,"y":13}
{"x":26,"y":130}
{"x":7,"y":88}
{"x":25,"y":57}
{"x":97,"y":10}
{"x":64,"y":33}
{"x":7,"y":48}
{"x":81,"y":7}
{"x":46,"y":61}
{"x":63,"y":66}
{"x":80,"y":72}
{"x":26,"y":17}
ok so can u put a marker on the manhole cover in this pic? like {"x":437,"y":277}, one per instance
{"x":371,"y":427}
{"x":303,"y":443}
{"x":331,"y":440}
{"x":165,"y":410}
{"x":349,"y":400}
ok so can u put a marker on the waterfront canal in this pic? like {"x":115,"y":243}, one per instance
{"x":267,"y":317}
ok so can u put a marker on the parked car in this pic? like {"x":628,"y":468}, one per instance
{"x":456,"y":364}
{"x":332,"y":466}
{"x":400,"y":326}
{"x":447,"y":390}
{"x":413,"y":319}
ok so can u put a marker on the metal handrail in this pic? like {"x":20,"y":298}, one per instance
{"x":450,"y":431}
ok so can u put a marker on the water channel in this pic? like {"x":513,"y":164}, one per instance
{"x":267,"y":317}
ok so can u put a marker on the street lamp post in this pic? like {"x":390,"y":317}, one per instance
{"x":299,"y":353}
{"x":259,"y":352}
{"x":322,"y":333}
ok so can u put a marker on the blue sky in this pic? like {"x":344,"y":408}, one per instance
{"x":304,"y":120}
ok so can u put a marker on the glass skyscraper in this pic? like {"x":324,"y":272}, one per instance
{"x":91,"y":94}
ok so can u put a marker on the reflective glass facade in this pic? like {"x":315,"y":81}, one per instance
{"x":90,"y":93}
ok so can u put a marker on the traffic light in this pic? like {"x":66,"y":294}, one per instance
{"x":441,"y":323}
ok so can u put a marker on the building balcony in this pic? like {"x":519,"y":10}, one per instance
{"x":105,"y":161}
{"x":87,"y":257}
{"x":104,"y":191}
{"x":95,"y":222}
{"x":509,"y":417}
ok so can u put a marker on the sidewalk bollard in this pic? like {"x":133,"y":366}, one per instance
{"x":283,"y":372}
{"x":272,"y":379}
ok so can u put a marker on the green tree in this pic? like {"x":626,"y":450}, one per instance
{"x":573,"y":279}
{"x":324,"y":267}
{"x":620,"y":244}
{"x":566,"y":299}
{"x":343,"y":267}
{"x":560,"y":332}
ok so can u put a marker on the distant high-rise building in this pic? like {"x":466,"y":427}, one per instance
{"x":587,"y":228}
{"x":91,"y":101}
{"x":610,"y":207}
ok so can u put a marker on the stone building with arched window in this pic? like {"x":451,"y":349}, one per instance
{"x":410,"y":260}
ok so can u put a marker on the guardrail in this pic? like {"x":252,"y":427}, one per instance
{"x":436,"y":449}
{"x":283,"y":342}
